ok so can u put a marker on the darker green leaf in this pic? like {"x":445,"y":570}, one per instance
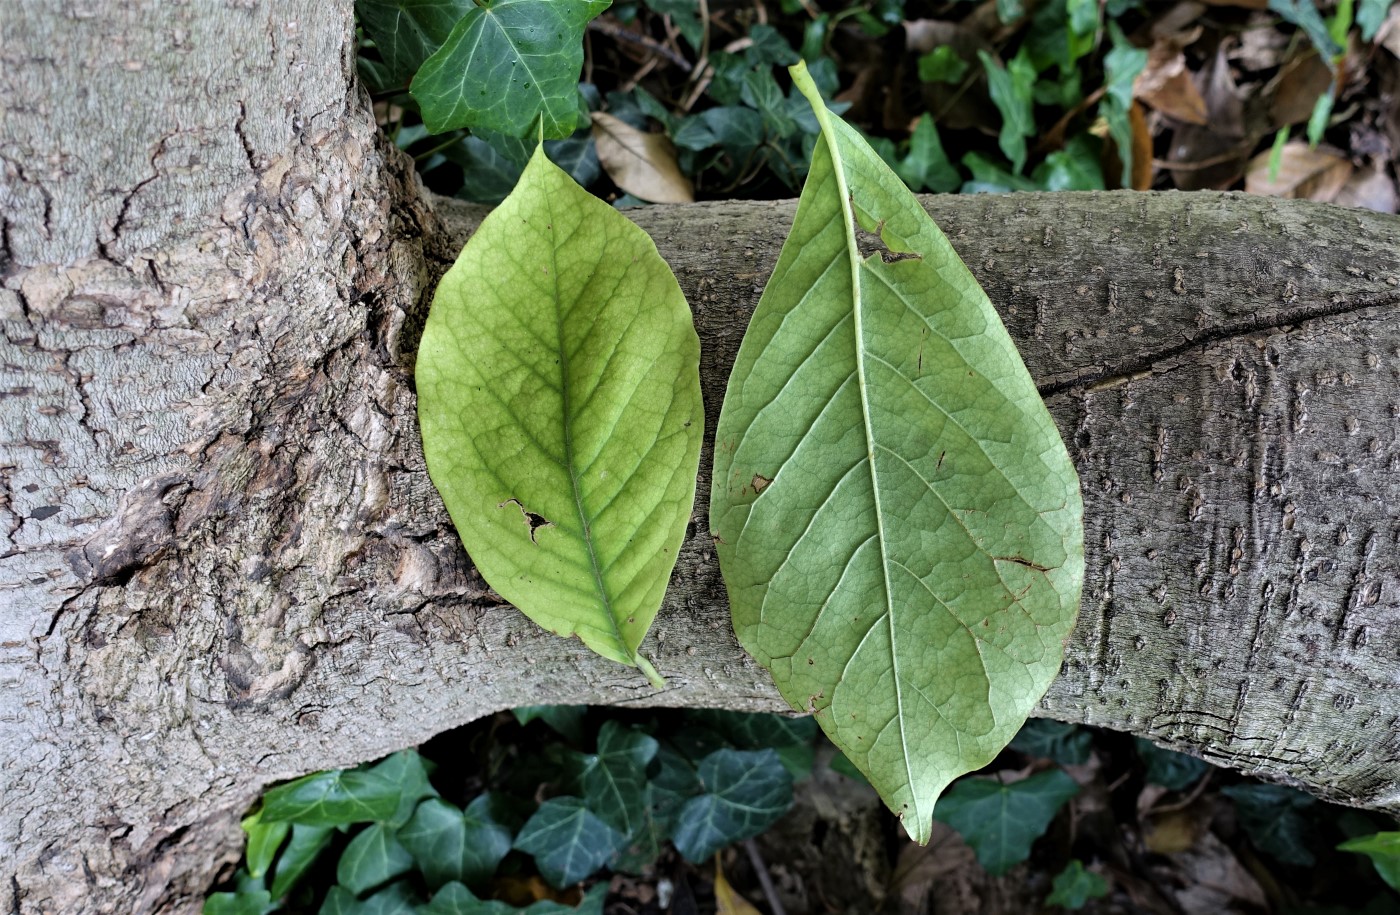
{"x":756,"y":730}
{"x":1064,"y":743}
{"x":1012,"y":89}
{"x":926,"y":166}
{"x":569,"y":842}
{"x":614,"y":778}
{"x":733,"y":127}
{"x":769,"y":48}
{"x":372,"y":858}
{"x":745,"y":792}
{"x":1001,"y":821}
{"x":408,"y":32}
{"x":942,"y":65}
{"x":1074,"y":887}
{"x":407,"y":770}
{"x":334,"y":798}
{"x":455,"y":899}
{"x":450,"y":844}
{"x":302,"y":850}
{"x":511,"y":66}
{"x":1305,"y":15}
{"x":244,"y":902}
{"x":566,"y":720}
{"x":1172,"y":770}
{"x":1276,"y":820}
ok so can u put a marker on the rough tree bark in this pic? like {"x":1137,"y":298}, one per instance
{"x":224,"y":563}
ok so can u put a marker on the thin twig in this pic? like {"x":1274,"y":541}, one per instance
{"x":770,"y":892}
{"x":613,"y":30}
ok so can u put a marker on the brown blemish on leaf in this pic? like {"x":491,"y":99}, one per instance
{"x":1022,"y":561}
{"x":536,"y":521}
{"x":759,"y":483}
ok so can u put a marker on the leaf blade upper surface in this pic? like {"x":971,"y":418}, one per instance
{"x":559,"y":400}
{"x":897,"y":520}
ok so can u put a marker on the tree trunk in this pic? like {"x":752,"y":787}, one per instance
{"x":224,"y":563}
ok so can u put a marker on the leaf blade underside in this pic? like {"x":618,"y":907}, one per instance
{"x":899,"y":526}
{"x":559,"y":400}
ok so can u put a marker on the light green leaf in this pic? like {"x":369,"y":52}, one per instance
{"x":942,"y":65}
{"x":408,"y":32}
{"x":509,"y":65}
{"x":1370,"y":16}
{"x":559,"y":399}
{"x":455,"y":845}
{"x":372,"y":857}
{"x":243,"y":902}
{"x":1074,"y":886}
{"x":1383,"y":848}
{"x":264,"y":839}
{"x":1001,"y":821}
{"x":334,"y":798}
{"x":1012,"y":88}
{"x":568,"y":841}
{"x":1121,"y":67}
{"x":896,"y":518}
{"x":746,"y":791}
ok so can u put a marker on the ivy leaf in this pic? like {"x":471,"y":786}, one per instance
{"x":1370,"y":16}
{"x":559,"y":400}
{"x":565,"y":720}
{"x":264,"y":839}
{"x":1274,"y":818}
{"x":302,"y":850}
{"x":926,"y":166}
{"x":1001,"y":821}
{"x":407,"y":770}
{"x":408,"y":32}
{"x":1065,"y":743}
{"x":508,"y":65}
{"x":455,"y":899}
{"x":1121,"y":67}
{"x":942,"y":65}
{"x":372,"y":858}
{"x":1383,"y":849}
{"x":335,"y":798}
{"x":1012,"y":88}
{"x":1304,"y":14}
{"x":614,"y":779}
{"x":243,"y":902}
{"x":1074,"y":887}
{"x":756,"y":730}
{"x":896,"y":518}
{"x":568,"y":840}
{"x":1173,"y":771}
{"x":450,"y":844}
{"x":745,"y":793}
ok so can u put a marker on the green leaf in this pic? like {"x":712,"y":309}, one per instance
{"x":942,"y":65}
{"x":1321,"y":114}
{"x":340,"y":901}
{"x":1064,"y":743}
{"x":843,"y":766}
{"x":407,"y":770}
{"x":685,"y":16}
{"x":302,"y":850}
{"x":755,"y":730}
{"x":1383,"y":849}
{"x":1304,"y":14}
{"x":450,"y":844}
{"x":990,"y":178}
{"x":1274,"y":817}
{"x":733,"y":127}
{"x":1083,"y":16}
{"x":372,"y":858}
{"x":1121,"y":67}
{"x":926,"y":166}
{"x":1074,"y":168}
{"x":896,"y":518}
{"x":1012,"y":89}
{"x":264,"y":839}
{"x":508,"y":65}
{"x":769,"y":47}
{"x":1074,"y":887}
{"x":334,"y":798}
{"x":455,"y":899}
{"x":244,"y":902}
{"x":568,"y":841}
{"x":614,"y":778}
{"x":745,"y":793}
{"x":1173,"y":771}
{"x":559,"y":400}
{"x":565,"y":720}
{"x":408,"y":32}
{"x":1001,"y":821}
{"x":1370,"y":16}
{"x":1009,"y":11}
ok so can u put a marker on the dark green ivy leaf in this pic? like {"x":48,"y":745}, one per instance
{"x":926,"y":166}
{"x":1064,"y":743}
{"x":1173,"y":771}
{"x":1304,"y":14}
{"x":302,"y":850}
{"x":244,"y":902}
{"x":455,"y":845}
{"x":372,"y":858}
{"x":942,"y":65}
{"x":1274,"y":819}
{"x":1121,"y":67}
{"x":407,"y":770}
{"x":757,"y":731}
{"x":455,"y":899}
{"x":1001,"y":821}
{"x":733,"y":127}
{"x":1074,"y":887}
{"x":395,"y":899}
{"x":566,"y":720}
{"x":334,"y":798}
{"x":511,"y":66}
{"x":568,"y":841}
{"x":745,"y":793}
{"x":614,"y":778}
{"x":1012,"y":89}
{"x":408,"y":32}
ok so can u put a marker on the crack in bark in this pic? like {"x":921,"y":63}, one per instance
{"x":1139,"y":366}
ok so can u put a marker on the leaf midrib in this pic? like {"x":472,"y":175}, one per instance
{"x":853,"y":254}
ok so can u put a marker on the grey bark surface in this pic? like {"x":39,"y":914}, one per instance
{"x":224,"y":564}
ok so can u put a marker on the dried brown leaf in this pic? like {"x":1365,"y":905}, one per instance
{"x":1369,"y":188}
{"x":1166,"y":85}
{"x":642,"y":164}
{"x":1303,"y":173}
{"x":1293,"y":93}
